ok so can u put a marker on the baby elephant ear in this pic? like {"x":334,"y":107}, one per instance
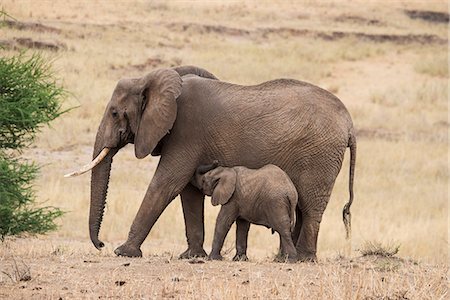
{"x":225,"y":188}
{"x":159,"y":90}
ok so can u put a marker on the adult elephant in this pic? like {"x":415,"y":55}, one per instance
{"x":190,"y":118}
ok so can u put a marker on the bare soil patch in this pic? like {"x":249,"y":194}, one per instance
{"x":429,"y":16}
{"x":382,"y":38}
{"x":395,"y":136}
{"x":32,"y":26}
{"x":206,"y":28}
{"x":357,"y":20}
{"x":20,"y":43}
{"x":30,"y":43}
{"x":294,"y":32}
{"x":149,"y":64}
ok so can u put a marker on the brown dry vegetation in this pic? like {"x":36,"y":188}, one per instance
{"x":388,"y":65}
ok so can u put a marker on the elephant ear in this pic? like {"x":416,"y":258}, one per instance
{"x":225,"y":187}
{"x":186,"y":70}
{"x":160,"y":89}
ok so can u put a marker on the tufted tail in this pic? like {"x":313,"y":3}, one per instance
{"x":293,"y":207}
{"x":346,"y":215}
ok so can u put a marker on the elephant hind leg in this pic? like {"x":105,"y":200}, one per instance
{"x":307,"y":242}
{"x":287,"y":250}
{"x":280,"y":222}
{"x":242,"y":228}
{"x":311,"y":217}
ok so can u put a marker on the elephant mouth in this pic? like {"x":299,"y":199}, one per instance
{"x":126,"y":136}
{"x":124,"y":139}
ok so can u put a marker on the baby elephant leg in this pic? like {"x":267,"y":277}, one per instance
{"x":242,"y":228}
{"x":281,"y":223}
{"x":226,"y":218}
{"x":288,"y":251}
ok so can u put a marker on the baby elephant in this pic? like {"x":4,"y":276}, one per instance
{"x":263,"y":196}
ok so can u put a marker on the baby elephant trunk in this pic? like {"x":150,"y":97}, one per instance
{"x":203,"y":169}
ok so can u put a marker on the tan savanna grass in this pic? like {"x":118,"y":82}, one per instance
{"x":397,"y":94}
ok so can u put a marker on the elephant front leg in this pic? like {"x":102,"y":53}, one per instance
{"x":242,"y":228}
{"x":154,"y":203}
{"x":192,"y":201}
{"x":226,"y":218}
{"x":161,"y":191}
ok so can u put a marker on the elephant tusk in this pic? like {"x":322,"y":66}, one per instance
{"x":90,"y":165}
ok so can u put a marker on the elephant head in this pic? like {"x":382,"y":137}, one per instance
{"x":219,"y":183}
{"x":141,"y":111}
{"x":197,"y":179}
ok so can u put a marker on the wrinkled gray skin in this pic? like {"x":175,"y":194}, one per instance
{"x":190,"y":118}
{"x":264,"y":196}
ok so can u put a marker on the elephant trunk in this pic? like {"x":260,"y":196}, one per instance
{"x":99,"y":189}
{"x":203,"y":169}
{"x":200,"y":171}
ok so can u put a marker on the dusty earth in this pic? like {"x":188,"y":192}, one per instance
{"x":61,"y":269}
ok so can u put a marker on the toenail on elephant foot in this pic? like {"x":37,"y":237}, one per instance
{"x":286,"y":258}
{"x":292,"y":259}
{"x":213,"y":256}
{"x":193,"y":253}
{"x":306,"y":257}
{"x":128,"y":251}
{"x":240,"y":257}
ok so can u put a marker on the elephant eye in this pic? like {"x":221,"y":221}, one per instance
{"x":115,"y":114}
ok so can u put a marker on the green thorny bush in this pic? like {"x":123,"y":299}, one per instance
{"x":29,"y":99}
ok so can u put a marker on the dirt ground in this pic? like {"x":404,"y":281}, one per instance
{"x":387,"y":62}
{"x":62,"y":269}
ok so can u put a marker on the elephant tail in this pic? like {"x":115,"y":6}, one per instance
{"x":293,"y":199}
{"x":346,"y":215}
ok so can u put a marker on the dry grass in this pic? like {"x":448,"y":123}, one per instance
{"x":18,"y":271}
{"x":73,"y":270}
{"x":396,"y":92}
{"x":434,"y":64}
{"x":378,"y":249}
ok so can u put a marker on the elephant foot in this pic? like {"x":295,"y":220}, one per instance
{"x":126,"y":250}
{"x":286,"y":258}
{"x":240,"y":257}
{"x":306,"y":257}
{"x":214,"y":256}
{"x":192,"y":253}
{"x":279,"y":257}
